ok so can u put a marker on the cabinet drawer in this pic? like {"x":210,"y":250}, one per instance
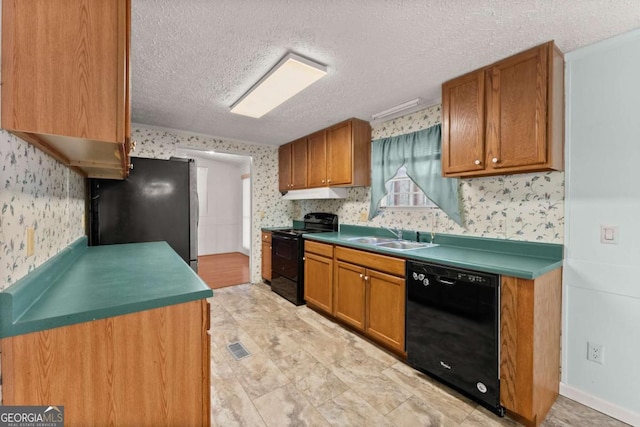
{"x":382,"y":263}
{"x":266,"y":237}
{"x":318,"y":248}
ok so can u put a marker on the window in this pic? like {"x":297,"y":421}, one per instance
{"x":402,"y":192}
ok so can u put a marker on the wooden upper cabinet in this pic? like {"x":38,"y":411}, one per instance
{"x":65,"y":89}
{"x":299,"y":164}
{"x":336,"y":156}
{"x":516,"y":110}
{"x":507,"y":117}
{"x":340,"y":154}
{"x":284,"y":167}
{"x":349,"y":154}
{"x":317,"y":159}
{"x":463,"y":144}
{"x":292,"y":165}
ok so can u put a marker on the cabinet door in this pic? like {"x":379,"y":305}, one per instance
{"x":340,"y":154}
{"x":386,"y":308}
{"x":266,"y":261}
{"x":284,"y":167}
{"x":146,"y":360}
{"x":349,"y":299}
{"x":516,"y":111}
{"x":64,"y":68}
{"x":463,"y":118}
{"x":299,"y":164}
{"x":317,"y":159}
{"x":318,"y":281}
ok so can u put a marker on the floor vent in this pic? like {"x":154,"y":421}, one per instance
{"x":237,"y":350}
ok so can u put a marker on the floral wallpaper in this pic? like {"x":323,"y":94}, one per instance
{"x":268,"y":208}
{"x":35,"y":191}
{"x":519,"y":207}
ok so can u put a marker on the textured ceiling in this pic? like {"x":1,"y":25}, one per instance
{"x":192,"y":59}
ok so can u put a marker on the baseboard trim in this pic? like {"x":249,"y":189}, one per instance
{"x":600,"y":405}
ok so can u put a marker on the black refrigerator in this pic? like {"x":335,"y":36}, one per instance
{"x":157,"y":202}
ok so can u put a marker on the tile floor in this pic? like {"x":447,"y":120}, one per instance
{"x":305,"y":370}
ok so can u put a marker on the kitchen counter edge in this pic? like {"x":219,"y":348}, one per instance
{"x":489,"y":261}
{"x":62,"y":291}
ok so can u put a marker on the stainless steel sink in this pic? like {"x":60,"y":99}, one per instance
{"x":390,"y":243}
{"x":371,"y":240}
{"x":405,"y":245}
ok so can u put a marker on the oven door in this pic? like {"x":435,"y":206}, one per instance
{"x":286,"y":267}
{"x":285,"y":256}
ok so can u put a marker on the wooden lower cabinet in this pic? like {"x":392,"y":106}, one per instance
{"x":530,"y":313}
{"x":147,"y":368}
{"x":386,"y":308}
{"x":266,"y":256}
{"x":318,"y":275}
{"x":370,"y":295}
{"x":350,"y":293}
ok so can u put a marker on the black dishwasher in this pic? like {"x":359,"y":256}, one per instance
{"x":452,"y":329}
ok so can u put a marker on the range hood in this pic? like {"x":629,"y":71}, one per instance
{"x":316,"y":193}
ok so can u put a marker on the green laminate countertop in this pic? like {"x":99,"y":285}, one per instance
{"x":526,"y":260}
{"x":87,"y":283}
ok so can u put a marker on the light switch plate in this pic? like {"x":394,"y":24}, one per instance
{"x":609,"y":234}
{"x":30,"y":241}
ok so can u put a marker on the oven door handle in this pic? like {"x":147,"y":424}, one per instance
{"x":281,"y":237}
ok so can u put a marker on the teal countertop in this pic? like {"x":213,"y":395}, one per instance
{"x":83,"y":283}
{"x":526,"y":260}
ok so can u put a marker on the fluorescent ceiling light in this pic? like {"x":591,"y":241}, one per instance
{"x":393,"y":111}
{"x":290,"y":76}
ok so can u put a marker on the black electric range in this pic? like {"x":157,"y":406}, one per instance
{"x":287,"y":266}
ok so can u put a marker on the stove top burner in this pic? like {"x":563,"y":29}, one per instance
{"x":318,"y":222}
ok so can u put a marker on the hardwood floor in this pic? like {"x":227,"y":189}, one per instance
{"x":222,"y":270}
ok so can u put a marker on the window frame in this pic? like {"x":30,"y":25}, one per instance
{"x":401,"y":177}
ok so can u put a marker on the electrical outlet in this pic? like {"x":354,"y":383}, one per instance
{"x":595,"y":352}
{"x":501,"y":225}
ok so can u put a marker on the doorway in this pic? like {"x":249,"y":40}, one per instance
{"x":224,"y":226}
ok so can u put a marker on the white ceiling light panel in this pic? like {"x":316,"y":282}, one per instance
{"x":290,"y":76}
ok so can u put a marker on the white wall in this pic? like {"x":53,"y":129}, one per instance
{"x":220,"y":226}
{"x":601,"y":281}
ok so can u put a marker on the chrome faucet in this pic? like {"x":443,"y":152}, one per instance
{"x":398,"y":233}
